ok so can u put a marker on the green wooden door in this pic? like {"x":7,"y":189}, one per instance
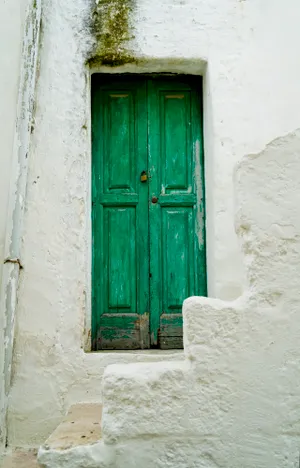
{"x":148,"y":236}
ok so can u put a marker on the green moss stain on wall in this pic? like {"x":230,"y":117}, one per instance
{"x":112,"y":28}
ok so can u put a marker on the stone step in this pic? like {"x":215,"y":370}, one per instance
{"x":81,"y":426}
{"x":71,"y":441}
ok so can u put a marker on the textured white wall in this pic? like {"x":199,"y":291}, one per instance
{"x":12,"y":17}
{"x":234,"y":401}
{"x":250,"y":95}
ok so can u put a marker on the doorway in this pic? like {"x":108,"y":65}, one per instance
{"x":148,"y":209}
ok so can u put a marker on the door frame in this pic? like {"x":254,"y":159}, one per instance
{"x":197,"y":69}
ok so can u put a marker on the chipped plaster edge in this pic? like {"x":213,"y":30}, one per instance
{"x":20,"y":156}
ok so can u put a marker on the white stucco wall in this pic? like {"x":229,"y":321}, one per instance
{"x":234,"y":401}
{"x":250,"y":97}
{"x":12,"y":17}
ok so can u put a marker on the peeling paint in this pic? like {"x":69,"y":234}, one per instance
{"x":200,"y":194}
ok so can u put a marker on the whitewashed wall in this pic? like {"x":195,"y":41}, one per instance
{"x":234,"y":401}
{"x":251,"y":96}
{"x":12,"y":17}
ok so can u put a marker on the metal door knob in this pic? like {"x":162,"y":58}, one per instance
{"x":154,"y":200}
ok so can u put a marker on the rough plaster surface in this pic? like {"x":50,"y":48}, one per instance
{"x":235,"y":398}
{"x":234,"y":401}
{"x":12,"y":18}
{"x":249,"y":100}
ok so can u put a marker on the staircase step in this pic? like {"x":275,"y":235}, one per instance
{"x":81,"y":426}
{"x":76,"y":442}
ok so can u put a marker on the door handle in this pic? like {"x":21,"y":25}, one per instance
{"x":154,"y":200}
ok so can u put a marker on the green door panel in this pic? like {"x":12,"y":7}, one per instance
{"x":147,"y":256}
{"x":177,"y":251}
{"x":120,"y":296}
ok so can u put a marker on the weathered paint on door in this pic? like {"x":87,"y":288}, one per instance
{"x":148,"y":235}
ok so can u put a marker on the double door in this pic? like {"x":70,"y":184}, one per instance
{"x":148,"y":252}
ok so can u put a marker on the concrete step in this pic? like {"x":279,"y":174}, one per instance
{"x":76,"y":441}
{"x":81,"y":426}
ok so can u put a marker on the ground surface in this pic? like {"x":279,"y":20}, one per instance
{"x":20,"y":459}
{"x":81,"y":426}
